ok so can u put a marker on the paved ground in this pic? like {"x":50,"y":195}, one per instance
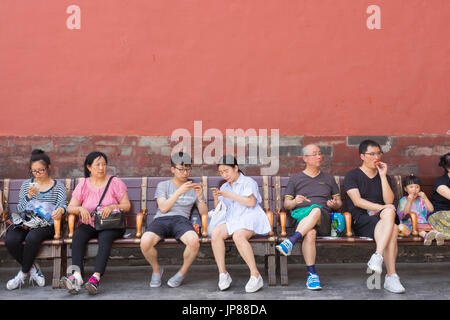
{"x":424,"y":281}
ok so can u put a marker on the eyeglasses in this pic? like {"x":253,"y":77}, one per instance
{"x":373,"y":154}
{"x":183,"y":170}
{"x":314,"y":155}
{"x":39,"y":171}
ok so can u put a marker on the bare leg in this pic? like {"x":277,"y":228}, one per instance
{"x":309,"y":247}
{"x":218,"y":236}
{"x":240,"y":238}
{"x":309,"y":222}
{"x":383,"y":230}
{"x":190,"y":239}
{"x":390,"y":254}
{"x":148,"y":243}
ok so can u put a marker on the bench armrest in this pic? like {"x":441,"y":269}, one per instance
{"x":205,"y":225}
{"x":269,"y":215}
{"x":282,"y":216}
{"x":71,"y":218}
{"x":57,"y":225}
{"x":348,"y":223}
{"x":413,"y":217}
{"x":140,"y":217}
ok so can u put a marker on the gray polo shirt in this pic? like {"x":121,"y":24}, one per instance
{"x":184,"y":203}
{"x":319,"y":189}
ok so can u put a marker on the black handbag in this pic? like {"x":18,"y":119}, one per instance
{"x":115,"y":220}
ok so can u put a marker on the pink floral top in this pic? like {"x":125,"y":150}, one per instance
{"x":89,"y":196}
{"x":418,"y":207}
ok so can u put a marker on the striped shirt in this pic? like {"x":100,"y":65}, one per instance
{"x":55,"y":195}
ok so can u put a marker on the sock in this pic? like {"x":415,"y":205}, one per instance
{"x":311,"y":269}
{"x":296,"y":237}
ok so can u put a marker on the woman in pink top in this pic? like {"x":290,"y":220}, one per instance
{"x":85,"y":199}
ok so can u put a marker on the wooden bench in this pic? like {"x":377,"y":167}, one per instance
{"x":50,"y":249}
{"x":287,"y":223}
{"x":141,"y":192}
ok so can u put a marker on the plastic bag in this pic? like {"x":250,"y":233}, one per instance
{"x":217,"y":216}
{"x":42,"y":209}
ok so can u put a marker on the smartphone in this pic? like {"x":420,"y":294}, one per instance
{"x":34,"y":184}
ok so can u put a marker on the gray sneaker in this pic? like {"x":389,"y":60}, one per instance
{"x":176,"y":280}
{"x":156,"y":279}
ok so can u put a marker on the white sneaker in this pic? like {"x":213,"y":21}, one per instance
{"x":36,"y":275}
{"x":254,"y":284}
{"x":392,"y":284}
{"x":376,"y":263}
{"x":17,"y":281}
{"x":224,"y":281}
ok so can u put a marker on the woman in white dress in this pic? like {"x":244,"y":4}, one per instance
{"x":244,"y":218}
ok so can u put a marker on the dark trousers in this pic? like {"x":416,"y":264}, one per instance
{"x":26,"y":253}
{"x":80,"y":238}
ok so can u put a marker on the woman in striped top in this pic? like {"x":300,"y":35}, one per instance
{"x":43,"y":188}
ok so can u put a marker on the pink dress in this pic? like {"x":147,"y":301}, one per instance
{"x":89,"y":196}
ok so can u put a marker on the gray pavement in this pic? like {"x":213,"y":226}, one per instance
{"x":423,"y":281}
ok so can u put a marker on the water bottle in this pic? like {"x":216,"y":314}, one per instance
{"x":196,"y":222}
{"x":40,"y":210}
{"x":334,"y":225}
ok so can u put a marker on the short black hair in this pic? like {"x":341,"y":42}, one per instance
{"x":180,"y":158}
{"x":444,"y":162}
{"x":90,"y":159}
{"x":367,"y":143}
{"x":39,"y":155}
{"x":412,"y":179}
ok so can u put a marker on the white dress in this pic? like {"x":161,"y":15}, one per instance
{"x":242,"y":217}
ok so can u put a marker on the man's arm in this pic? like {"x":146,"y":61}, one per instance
{"x":388,"y":195}
{"x":355,"y":196}
{"x":444,"y":191}
{"x":165,"y":204}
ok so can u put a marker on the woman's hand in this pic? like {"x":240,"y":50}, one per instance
{"x":57,"y":214}
{"x":215,"y":193}
{"x":106,"y":211}
{"x":32,"y":190}
{"x":85,"y":215}
{"x":225,"y":193}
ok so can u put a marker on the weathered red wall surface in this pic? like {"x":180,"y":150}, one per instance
{"x":146,"y":68}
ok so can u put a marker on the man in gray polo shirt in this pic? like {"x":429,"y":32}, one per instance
{"x":311,"y":195}
{"x":175,"y":198}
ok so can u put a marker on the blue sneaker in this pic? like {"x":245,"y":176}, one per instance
{"x":313,"y":282}
{"x":285,"y":248}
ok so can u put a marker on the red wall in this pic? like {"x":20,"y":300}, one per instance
{"x":148,"y":67}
